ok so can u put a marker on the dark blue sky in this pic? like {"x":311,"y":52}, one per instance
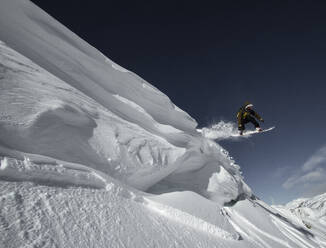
{"x":210,"y":58}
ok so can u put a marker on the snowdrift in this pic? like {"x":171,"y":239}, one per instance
{"x":92,"y":155}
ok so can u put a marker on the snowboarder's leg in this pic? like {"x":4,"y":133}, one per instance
{"x":241,"y":127}
{"x":251,"y":120}
{"x":254,"y":122}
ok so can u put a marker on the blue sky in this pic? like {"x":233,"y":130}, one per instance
{"x":210,"y":58}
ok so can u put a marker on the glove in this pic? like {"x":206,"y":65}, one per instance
{"x":262,"y":120}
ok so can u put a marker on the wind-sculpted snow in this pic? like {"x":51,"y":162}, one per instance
{"x":207,"y":170}
{"x":89,"y":113}
{"x":44,"y":115}
{"x":41,"y":114}
{"x":92,"y":155}
{"x":51,"y":172}
{"x":37,"y":36}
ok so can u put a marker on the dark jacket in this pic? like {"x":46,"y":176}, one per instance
{"x":244,"y":114}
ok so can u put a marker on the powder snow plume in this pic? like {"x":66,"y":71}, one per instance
{"x":227,"y":130}
{"x":220,"y":131}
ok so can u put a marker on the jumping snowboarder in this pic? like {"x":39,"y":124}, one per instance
{"x":245,"y":115}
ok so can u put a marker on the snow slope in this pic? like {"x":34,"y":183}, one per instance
{"x":308,"y":212}
{"x":92,"y":155}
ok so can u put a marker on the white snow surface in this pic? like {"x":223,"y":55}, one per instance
{"x":92,"y":155}
{"x":308,"y":212}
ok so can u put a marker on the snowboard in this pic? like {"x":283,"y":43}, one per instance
{"x":250,"y":132}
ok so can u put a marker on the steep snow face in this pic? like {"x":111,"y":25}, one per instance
{"x":40,"y":114}
{"x":64,"y":100}
{"x":49,"y":44}
{"x":44,"y":118}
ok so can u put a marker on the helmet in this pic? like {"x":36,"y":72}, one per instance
{"x":248,"y":105}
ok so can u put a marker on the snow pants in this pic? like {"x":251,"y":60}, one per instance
{"x":251,"y":120}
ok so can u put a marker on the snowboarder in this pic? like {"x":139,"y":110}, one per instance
{"x":245,"y":115}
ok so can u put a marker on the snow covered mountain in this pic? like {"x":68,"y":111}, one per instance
{"x":92,"y":155}
{"x":311,"y":212}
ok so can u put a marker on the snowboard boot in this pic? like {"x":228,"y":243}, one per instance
{"x":258,"y":129}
